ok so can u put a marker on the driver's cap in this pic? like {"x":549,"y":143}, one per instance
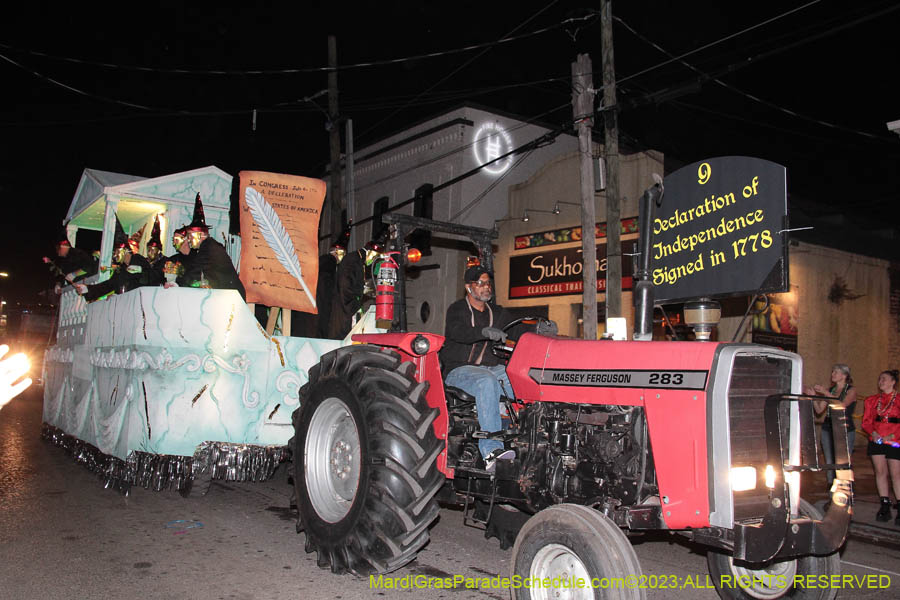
{"x":473,"y":274}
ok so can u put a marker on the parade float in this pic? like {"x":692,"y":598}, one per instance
{"x":169,"y":387}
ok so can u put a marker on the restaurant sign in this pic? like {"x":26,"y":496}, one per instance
{"x":559,"y":272}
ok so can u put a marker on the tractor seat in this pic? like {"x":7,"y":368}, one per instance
{"x":456,"y":398}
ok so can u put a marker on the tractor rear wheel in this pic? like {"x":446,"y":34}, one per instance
{"x":365,"y":455}
{"x":776,"y":579}
{"x":579,"y":552}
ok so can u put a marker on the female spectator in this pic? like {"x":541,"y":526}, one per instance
{"x":844,"y":393}
{"x":881,"y":422}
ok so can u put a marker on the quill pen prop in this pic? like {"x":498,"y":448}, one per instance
{"x":272,"y":230}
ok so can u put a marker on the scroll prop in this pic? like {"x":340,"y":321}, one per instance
{"x":276,"y":236}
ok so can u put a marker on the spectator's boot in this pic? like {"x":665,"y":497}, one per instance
{"x":897,"y":518}
{"x":884,"y":513}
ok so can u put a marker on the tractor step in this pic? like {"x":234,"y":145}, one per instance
{"x":470,"y":508}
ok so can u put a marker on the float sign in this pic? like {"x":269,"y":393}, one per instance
{"x":720,"y":230}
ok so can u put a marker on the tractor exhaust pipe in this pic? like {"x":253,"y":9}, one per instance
{"x":643,"y":287}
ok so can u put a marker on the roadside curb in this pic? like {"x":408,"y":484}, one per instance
{"x":874,"y":535}
{"x":864,"y":526}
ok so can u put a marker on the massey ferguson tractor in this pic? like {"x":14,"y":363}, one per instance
{"x":705,"y":440}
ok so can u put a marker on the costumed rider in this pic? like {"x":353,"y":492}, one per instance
{"x":356,"y":285}
{"x":70,"y":264}
{"x":209,"y":265}
{"x":154,"y":246}
{"x":132,"y":270}
{"x":330,"y":317}
{"x":469,"y":363}
{"x":172,"y":268}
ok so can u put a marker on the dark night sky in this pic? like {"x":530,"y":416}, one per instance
{"x":826,"y":61}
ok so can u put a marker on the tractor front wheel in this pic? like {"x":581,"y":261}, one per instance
{"x":574,"y":551}
{"x":365,"y":455}
{"x":743,"y":581}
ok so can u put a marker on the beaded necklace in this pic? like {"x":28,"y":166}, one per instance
{"x":887,"y":408}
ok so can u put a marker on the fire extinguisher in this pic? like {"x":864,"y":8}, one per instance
{"x":385,"y":284}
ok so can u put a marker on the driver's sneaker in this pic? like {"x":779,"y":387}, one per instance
{"x":490,"y":461}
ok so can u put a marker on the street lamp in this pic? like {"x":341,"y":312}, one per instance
{"x":3,"y":275}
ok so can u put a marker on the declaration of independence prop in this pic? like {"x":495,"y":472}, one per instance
{"x":721,"y":230}
{"x":279,"y":245}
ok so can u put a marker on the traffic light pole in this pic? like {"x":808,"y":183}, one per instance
{"x":405,"y":224}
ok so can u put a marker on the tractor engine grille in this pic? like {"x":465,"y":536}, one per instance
{"x":754,"y":378}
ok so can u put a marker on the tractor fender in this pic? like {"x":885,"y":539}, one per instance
{"x":428,"y":373}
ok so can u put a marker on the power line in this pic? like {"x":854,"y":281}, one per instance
{"x":292,"y":106}
{"x":763,"y":124}
{"x":74,"y":89}
{"x":493,"y":184}
{"x":293,"y":71}
{"x":715,"y":43}
{"x":714,"y":77}
{"x":457,"y":70}
{"x":450,"y":95}
{"x":276,"y":108}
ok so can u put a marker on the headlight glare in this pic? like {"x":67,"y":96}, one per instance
{"x":770,"y":477}
{"x":743,"y":478}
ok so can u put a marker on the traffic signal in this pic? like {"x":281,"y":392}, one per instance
{"x":379,"y":227}
{"x":422,"y":207}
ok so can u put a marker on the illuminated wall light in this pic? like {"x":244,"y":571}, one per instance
{"x":492,"y":141}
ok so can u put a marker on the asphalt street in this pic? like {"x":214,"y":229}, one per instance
{"x":63,"y":536}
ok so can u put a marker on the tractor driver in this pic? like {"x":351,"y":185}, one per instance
{"x":468,"y":362}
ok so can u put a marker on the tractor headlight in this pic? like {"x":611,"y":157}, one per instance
{"x":420,"y":345}
{"x":743,"y":478}
{"x":770,"y":477}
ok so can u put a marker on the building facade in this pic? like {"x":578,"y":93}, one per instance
{"x":538,"y":262}
{"x":467,"y":140}
{"x":848,"y":304}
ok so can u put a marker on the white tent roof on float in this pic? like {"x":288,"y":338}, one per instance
{"x":138,"y":200}
{"x":140,"y":197}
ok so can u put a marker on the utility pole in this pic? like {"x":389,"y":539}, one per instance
{"x":335,"y":193}
{"x":583,"y":109}
{"x":350,"y":180}
{"x":611,"y":152}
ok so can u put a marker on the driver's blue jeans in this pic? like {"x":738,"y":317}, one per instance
{"x":487,"y":384}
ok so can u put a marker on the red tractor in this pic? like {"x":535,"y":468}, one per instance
{"x":612,"y":438}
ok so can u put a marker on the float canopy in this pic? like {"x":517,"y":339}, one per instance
{"x":140,"y":198}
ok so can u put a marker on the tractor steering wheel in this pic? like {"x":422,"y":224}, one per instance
{"x":542,"y":326}
{"x":502,"y":346}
